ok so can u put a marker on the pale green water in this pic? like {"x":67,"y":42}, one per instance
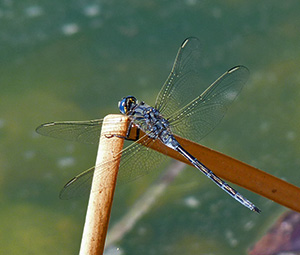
{"x":75,"y":60}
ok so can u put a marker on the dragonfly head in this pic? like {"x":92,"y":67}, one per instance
{"x":127,"y":104}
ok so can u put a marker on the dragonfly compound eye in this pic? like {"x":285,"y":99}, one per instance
{"x":127,"y":104}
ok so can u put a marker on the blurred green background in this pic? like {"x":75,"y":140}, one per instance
{"x":74,"y":60}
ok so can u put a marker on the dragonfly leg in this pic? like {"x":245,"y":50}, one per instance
{"x":128,"y":136}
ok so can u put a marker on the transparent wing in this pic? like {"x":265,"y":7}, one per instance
{"x":136,"y":161}
{"x":183,"y":82}
{"x":78,"y":186}
{"x":201,"y":115}
{"x":139,"y":160}
{"x":80,"y":131}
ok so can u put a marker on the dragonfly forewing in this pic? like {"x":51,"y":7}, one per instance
{"x":184,"y":81}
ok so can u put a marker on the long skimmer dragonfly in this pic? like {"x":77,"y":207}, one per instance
{"x":181,"y":108}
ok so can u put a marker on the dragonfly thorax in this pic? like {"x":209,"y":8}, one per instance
{"x":148,"y":119}
{"x":155,"y":122}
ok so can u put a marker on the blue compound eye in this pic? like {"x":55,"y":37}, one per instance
{"x":127,"y":104}
{"x":122,"y":106}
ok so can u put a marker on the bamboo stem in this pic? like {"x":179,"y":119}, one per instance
{"x":102,"y":191}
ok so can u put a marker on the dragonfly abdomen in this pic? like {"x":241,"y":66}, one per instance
{"x":222,"y":184}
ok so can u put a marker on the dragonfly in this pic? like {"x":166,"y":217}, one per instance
{"x":183,"y":107}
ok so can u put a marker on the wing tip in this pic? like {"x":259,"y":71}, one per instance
{"x":238,"y":67}
{"x":62,"y":194}
{"x":40,"y":127}
{"x":188,"y":39}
